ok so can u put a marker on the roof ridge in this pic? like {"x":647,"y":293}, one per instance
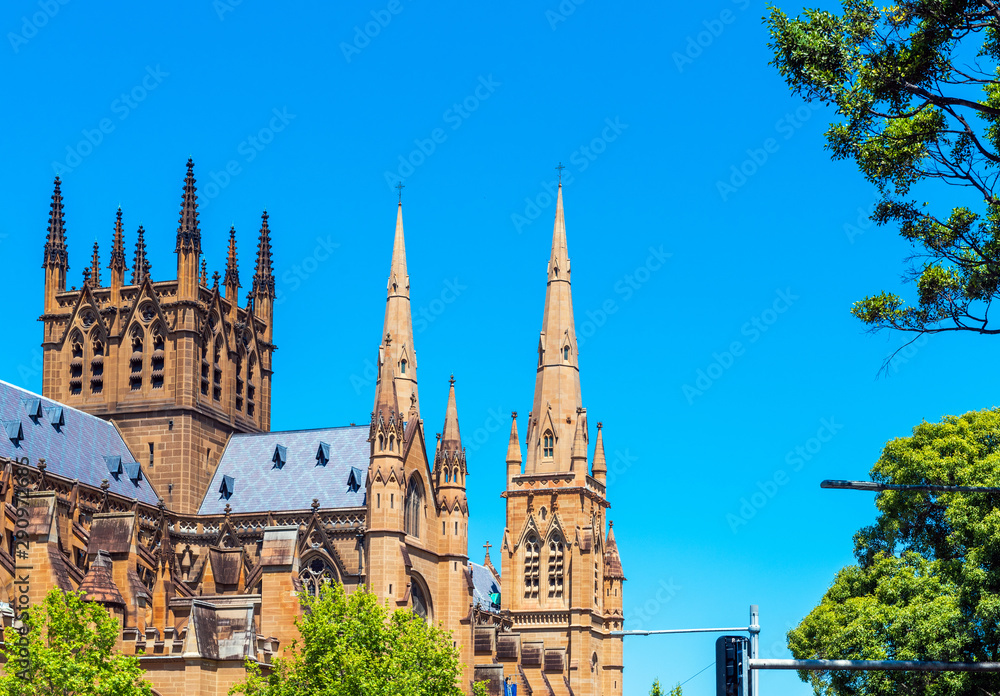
{"x":52,"y":402}
{"x":365,"y":426}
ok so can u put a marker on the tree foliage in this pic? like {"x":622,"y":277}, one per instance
{"x":70,"y":644}
{"x":927,"y":581}
{"x":916,"y":89}
{"x":351,"y":646}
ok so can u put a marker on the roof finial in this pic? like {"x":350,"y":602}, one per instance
{"x":400,"y":187}
{"x":140,"y":265}
{"x":560,"y":168}
{"x":95,"y":267}
{"x":204,"y":273}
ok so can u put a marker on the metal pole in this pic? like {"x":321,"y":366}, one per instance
{"x":740,"y":629}
{"x":875,"y":665}
{"x":931,"y":488}
{"x":754,"y":647}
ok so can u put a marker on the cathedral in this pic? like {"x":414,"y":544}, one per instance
{"x":153,"y":482}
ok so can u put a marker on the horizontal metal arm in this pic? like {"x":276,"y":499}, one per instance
{"x":743,"y":629}
{"x":876,"y":665}
{"x":876,"y":487}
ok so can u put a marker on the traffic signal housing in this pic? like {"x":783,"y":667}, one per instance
{"x":732,"y":673}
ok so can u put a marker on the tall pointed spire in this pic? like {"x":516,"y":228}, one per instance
{"x":188,"y":233}
{"x":398,"y":320}
{"x":557,"y":381}
{"x":232,"y":277}
{"x":117,"y":263}
{"x":140,"y":265}
{"x":95,"y":267}
{"x":56,"y":255}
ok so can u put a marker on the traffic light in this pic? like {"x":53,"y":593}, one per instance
{"x":732,"y":673}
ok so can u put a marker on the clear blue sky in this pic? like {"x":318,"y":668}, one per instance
{"x":513,"y":90}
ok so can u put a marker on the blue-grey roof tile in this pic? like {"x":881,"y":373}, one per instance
{"x":484,"y":584}
{"x":74,"y":444}
{"x":259,"y":485}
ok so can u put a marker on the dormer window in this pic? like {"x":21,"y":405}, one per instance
{"x":322,"y":454}
{"x":33,"y":407}
{"x":227,"y":487}
{"x":280,"y":455}
{"x":14,"y":432}
{"x":114,"y":466}
{"x":134,"y":471}
{"x":548,"y":444}
{"x":355,"y":479}
{"x":55,"y":416}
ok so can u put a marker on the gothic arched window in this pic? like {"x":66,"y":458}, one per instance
{"x":217,"y":370}
{"x":555,"y":569}
{"x":418,"y":599}
{"x":402,"y":367}
{"x":315,"y":573}
{"x":135,"y":362}
{"x":239,"y":379}
{"x":548,"y":444}
{"x":97,"y":366}
{"x":158,"y":361}
{"x":414,"y":505}
{"x":76,"y":364}
{"x":251,"y":385}
{"x":531,"y":566}
{"x":565,"y":352}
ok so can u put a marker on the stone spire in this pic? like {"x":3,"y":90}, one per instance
{"x":203,"y":278}
{"x":451,"y":438}
{"x":140,"y":265}
{"x":56,"y":259}
{"x":386,"y":398}
{"x":513,"y":449}
{"x":117,"y":264}
{"x":612,"y":561}
{"x":557,"y":381}
{"x":580,"y":442}
{"x":398,"y":321}
{"x":188,"y":247}
{"x":95,"y":267}
{"x":600,"y":466}
{"x":232,"y":277}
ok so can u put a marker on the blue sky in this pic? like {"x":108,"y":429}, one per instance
{"x":716,"y":252}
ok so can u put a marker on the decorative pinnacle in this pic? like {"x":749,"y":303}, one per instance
{"x":117,"y":263}
{"x":188,"y":233}
{"x":204,"y":274}
{"x":232,"y":278}
{"x":95,"y":267}
{"x":263,"y":279}
{"x":140,"y":265}
{"x":55,"y":243}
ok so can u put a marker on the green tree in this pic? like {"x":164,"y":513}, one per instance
{"x":350,"y":645}
{"x":70,"y":644}
{"x":656,"y":690}
{"x":676,"y":691}
{"x":915,"y":86}
{"x":927,"y":581}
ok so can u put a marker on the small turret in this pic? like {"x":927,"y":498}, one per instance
{"x":188,"y":247}
{"x":600,"y":467}
{"x":513,"y":451}
{"x":95,"y":267}
{"x":263,"y":279}
{"x":140,"y":264}
{"x":117,"y":264}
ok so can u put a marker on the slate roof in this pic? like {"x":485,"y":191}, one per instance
{"x":260,"y":484}
{"x":484,"y":583}
{"x":74,"y":444}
